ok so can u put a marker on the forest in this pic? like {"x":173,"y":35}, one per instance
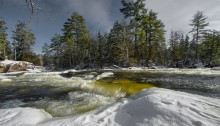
{"x":138,"y":40}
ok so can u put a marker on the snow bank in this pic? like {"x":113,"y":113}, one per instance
{"x":103,"y":75}
{"x":151,"y":107}
{"x":199,"y":71}
{"x":22,"y":116}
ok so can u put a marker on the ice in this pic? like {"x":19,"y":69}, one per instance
{"x":103,"y":75}
{"x":6,"y":80}
{"x":152,"y":107}
{"x":69,"y":71}
{"x":22,"y":116}
{"x":198,"y":71}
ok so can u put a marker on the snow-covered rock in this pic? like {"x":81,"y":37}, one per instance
{"x":199,"y":65}
{"x":14,"y":66}
{"x":151,"y":65}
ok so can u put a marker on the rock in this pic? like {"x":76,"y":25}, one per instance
{"x":14,"y":66}
{"x":199,"y":65}
{"x":151,"y":65}
{"x":21,"y":66}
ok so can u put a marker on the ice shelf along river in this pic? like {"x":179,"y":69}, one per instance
{"x":166,"y":97}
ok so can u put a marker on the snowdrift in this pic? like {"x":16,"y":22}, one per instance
{"x":151,"y":107}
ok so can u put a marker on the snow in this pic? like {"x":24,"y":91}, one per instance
{"x":198,"y":71}
{"x":22,"y":116}
{"x":6,"y":62}
{"x":27,"y":65}
{"x":103,"y":75}
{"x":6,"y":80}
{"x":151,"y":107}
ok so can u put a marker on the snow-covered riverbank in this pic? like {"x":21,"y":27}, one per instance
{"x":151,"y":107}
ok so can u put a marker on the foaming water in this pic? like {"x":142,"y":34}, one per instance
{"x":56,"y":94}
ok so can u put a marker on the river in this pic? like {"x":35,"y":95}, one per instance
{"x":75,"y":92}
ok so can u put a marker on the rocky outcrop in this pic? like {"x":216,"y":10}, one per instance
{"x":14,"y":66}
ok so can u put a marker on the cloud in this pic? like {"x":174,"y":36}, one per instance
{"x":177,"y":14}
{"x":98,"y":13}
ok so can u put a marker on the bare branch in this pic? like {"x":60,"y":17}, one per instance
{"x":32,"y":6}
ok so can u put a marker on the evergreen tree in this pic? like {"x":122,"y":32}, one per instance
{"x":23,"y":40}
{"x":210,"y":48}
{"x":154,"y":33}
{"x":134,"y":11}
{"x":4,"y":43}
{"x":199,"y":23}
{"x":47,"y":57}
{"x":76,"y":38}
{"x":185,"y":50}
{"x":56,"y":50}
{"x":119,"y":44}
{"x":101,"y":50}
{"x":174,"y":48}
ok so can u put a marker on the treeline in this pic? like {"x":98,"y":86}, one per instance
{"x":20,"y":49}
{"x":134,"y":41}
{"x":137,"y":41}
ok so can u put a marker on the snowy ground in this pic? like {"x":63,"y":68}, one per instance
{"x":151,"y":107}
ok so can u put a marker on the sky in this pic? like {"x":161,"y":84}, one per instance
{"x":101,"y":14}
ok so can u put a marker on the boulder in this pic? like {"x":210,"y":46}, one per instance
{"x":14,"y":66}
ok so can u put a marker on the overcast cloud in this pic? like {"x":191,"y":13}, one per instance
{"x":177,"y":14}
{"x":101,"y":14}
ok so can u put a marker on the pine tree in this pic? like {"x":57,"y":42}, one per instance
{"x":101,"y":50}
{"x":199,"y":23}
{"x":154,"y":33}
{"x":134,"y":11}
{"x":76,"y":38}
{"x":23,"y":40}
{"x":175,"y":38}
{"x":47,"y":56}
{"x":209,"y":49}
{"x":4,"y":43}
{"x":57,"y":49}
